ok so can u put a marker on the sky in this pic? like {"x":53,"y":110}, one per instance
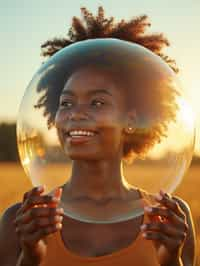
{"x":25,"y":25}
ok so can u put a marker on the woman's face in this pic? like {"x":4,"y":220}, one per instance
{"x":91,"y":115}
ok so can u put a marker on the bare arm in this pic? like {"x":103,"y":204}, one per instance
{"x":10,"y":250}
{"x":28,"y":247}
{"x":9,"y":244}
{"x":189,"y":249}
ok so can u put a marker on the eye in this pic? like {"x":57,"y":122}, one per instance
{"x":66,"y":104}
{"x":97,"y":103}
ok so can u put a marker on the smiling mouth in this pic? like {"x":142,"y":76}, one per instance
{"x":79,"y":136}
{"x":80,"y":133}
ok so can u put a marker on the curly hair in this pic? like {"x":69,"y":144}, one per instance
{"x":134,"y":31}
{"x":92,"y":27}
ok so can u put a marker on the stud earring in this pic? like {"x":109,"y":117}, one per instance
{"x":130,"y":130}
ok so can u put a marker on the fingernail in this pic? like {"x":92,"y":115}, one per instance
{"x":55,"y":199}
{"x":147,"y":208}
{"x":60,"y":210}
{"x":159,"y":197}
{"x":59,"y":226}
{"x":143,"y":227}
{"x":144,"y":234}
{"x":58,"y":218}
{"x":162,"y":192}
{"x":40,"y":188}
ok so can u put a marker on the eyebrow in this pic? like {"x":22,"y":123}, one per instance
{"x":103,"y":91}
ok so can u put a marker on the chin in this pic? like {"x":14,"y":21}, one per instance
{"x":82,"y":156}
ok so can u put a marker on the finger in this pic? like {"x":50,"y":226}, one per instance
{"x":167,"y":229}
{"x":40,"y":234}
{"x":38,"y":200}
{"x":35,"y":191}
{"x":167,"y":201}
{"x":38,"y":223}
{"x":166,"y":213}
{"x":33,"y":213}
{"x":57,"y":194}
{"x":171,"y":243}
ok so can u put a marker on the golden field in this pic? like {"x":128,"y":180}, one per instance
{"x":14,"y":183}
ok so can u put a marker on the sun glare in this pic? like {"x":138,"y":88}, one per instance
{"x":186,"y":114}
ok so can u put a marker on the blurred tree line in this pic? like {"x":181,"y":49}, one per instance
{"x":8,"y":143}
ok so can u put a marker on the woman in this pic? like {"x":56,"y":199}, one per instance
{"x":92,"y":128}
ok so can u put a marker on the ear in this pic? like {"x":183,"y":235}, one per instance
{"x":130,"y":123}
{"x":131,"y":118}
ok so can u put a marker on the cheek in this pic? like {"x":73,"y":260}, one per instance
{"x":113,"y":124}
{"x":112,"y":138}
{"x":59,"y":122}
{"x":60,"y":118}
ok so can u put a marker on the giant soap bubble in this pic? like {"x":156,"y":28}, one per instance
{"x":122,"y":116}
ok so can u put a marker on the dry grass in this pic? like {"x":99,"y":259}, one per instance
{"x":14,"y":183}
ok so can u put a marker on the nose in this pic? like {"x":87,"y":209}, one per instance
{"x":78,"y":113}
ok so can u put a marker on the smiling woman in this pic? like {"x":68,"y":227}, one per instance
{"x":160,"y":105}
{"x":108,"y":99}
{"x":85,"y":106}
{"x":102,"y":117}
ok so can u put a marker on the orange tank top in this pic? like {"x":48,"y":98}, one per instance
{"x":140,"y":252}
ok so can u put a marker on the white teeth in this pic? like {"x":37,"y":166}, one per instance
{"x":81,"y":133}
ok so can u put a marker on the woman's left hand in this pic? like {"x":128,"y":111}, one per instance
{"x":168,"y":229}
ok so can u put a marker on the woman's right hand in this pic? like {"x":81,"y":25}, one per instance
{"x":37,"y":217}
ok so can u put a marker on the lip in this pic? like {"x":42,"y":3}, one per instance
{"x":66,"y":132}
{"x":78,"y":139}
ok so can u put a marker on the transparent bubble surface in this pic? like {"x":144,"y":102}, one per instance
{"x":149,"y":113}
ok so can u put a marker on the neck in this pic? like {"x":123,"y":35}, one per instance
{"x":97,"y":179}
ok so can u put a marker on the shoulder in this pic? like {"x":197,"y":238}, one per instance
{"x":189,"y":249}
{"x":9,"y":215}
{"x":9,"y":245}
